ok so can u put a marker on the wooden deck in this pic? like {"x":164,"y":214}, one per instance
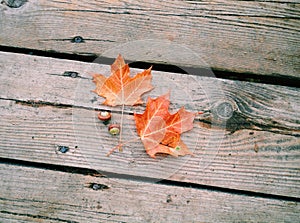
{"x":246,"y":143}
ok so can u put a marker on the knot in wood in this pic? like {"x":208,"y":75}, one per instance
{"x":14,"y":3}
{"x":223,"y":110}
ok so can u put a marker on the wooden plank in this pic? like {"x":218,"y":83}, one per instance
{"x":31,"y":194}
{"x":249,"y":105}
{"x":35,"y":134}
{"x":258,"y":37}
{"x":37,"y":116}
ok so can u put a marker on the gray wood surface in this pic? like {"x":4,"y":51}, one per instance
{"x":254,"y":106}
{"x":41,"y":195}
{"x":246,"y":142}
{"x":260,"y":37}
{"x":42,"y":109}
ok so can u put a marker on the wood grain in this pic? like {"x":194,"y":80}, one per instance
{"x":258,"y":37}
{"x":248,"y":105}
{"x":42,"y":109}
{"x":222,"y":159}
{"x":31,"y":194}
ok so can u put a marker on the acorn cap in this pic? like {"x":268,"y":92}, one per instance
{"x":104,"y":116}
{"x":114,"y":129}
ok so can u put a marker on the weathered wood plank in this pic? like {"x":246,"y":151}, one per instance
{"x":246,"y":160}
{"x":260,"y":37}
{"x":31,"y":194}
{"x":248,"y":105}
{"x":32,"y":132}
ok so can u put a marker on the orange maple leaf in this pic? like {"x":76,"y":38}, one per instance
{"x":120,"y":88}
{"x":160,"y":131}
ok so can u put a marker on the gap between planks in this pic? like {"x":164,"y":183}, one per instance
{"x":261,"y":37}
{"x":255,"y":106}
{"x":137,"y":179}
{"x":73,"y":200}
{"x":282,"y":80}
{"x":276,"y":159}
{"x":34,"y":133}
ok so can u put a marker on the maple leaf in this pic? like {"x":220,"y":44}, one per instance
{"x":121,"y":89}
{"x":160,"y":131}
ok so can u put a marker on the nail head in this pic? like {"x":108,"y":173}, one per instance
{"x":77,"y":39}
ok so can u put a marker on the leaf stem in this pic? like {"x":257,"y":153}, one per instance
{"x":121,"y":128}
{"x":119,"y":146}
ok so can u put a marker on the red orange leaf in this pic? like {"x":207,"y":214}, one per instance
{"x":160,"y":131}
{"x":120,"y":88}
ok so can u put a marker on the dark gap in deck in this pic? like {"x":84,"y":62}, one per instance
{"x":87,"y":171}
{"x":274,"y":79}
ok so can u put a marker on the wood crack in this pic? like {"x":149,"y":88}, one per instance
{"x":237,"y":122}
{"x":85,"y":39}
{"x":37,"y":216}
